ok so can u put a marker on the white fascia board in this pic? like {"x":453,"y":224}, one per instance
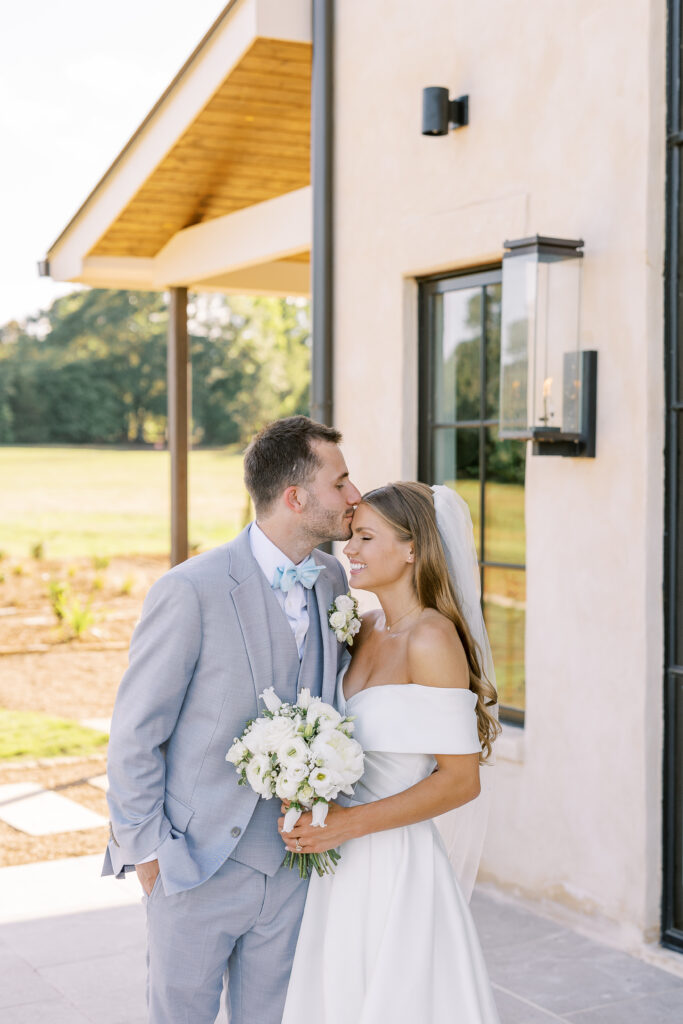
{"x":219,"y":54}
{"x":275,"y":279}
{"x":262,"y":233}
{"x":118,"y":272}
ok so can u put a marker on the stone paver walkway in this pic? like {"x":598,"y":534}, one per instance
{"x":29,"y":808}
{"x":72,"y":952}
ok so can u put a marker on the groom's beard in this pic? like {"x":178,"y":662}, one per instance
{"x":322,"y":524}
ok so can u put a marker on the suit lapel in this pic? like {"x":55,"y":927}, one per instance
{"x":324,"y":597}
{"x":250,"y":605}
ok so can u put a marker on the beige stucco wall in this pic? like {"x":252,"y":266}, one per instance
{"x":567,"y":138}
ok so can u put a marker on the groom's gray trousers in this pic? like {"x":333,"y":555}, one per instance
{"x":240,"y":917}
{"x":211,"y":638}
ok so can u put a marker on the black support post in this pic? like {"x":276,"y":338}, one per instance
{"x":322,"y":142}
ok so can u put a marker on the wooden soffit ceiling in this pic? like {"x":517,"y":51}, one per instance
{"x":251,"y":142}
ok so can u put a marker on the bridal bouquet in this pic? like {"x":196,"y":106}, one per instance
{"x":302,"y":753}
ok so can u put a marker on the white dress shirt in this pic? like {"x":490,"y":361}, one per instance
{"x":293,"y":603}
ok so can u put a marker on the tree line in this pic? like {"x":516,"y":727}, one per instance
{"x":91,"y":369}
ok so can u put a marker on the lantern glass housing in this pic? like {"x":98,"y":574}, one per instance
{"x":542,"y":370}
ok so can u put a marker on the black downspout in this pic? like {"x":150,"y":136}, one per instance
{"x":322,"y":281}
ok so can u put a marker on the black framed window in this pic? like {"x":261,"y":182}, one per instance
{"x":672,"y":897}
{"x":459,"y":446}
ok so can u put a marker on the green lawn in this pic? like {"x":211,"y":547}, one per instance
{"x":28,"y":734}
{"x":103,"y":501}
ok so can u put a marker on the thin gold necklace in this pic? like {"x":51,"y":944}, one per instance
{"x":389,"y":628}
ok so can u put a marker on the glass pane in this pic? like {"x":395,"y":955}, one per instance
{"x":504,"y":530}
{"x":493,"y":294}
{"x":505,"y":616}
{"x":456,"y":355}
{"x":456,"y":463}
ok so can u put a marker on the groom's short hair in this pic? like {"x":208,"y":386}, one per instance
{"x":281,"y":455}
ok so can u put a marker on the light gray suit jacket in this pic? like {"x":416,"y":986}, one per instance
{"x":210,"y":639}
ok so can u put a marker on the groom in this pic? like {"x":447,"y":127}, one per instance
{"x":215,"y":632}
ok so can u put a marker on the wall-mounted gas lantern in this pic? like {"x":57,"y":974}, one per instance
{"x":547,"y":384}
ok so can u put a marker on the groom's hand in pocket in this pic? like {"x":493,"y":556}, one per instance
{"x":147,"y":874}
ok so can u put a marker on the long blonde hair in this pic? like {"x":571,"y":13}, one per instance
{"x":408,"y":507}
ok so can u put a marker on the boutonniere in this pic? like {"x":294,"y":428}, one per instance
{"x":344,"y":619}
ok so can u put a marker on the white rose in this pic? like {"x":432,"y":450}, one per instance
{"x":304,"y":698}
{"x":320,"y":813}
{"x":258,"y":775}
{"x":237,"y":752}
{"x":286,"y":787}
{"x":323,"y":713}
{"x":339,"y":754}
{"x":340,"y":635}
{"x":277,"y":731}
{"x":338,"y":620}
{"x":292,"y":752}
{"x":344,"y":603}
{"x":254,"y":739}
{"x":271,"y":699}
{"x":354,"y":626}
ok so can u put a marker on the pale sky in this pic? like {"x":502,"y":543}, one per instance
{"x":76,"y":79}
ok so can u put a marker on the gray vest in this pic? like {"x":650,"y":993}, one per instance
{"x":256,"y":848}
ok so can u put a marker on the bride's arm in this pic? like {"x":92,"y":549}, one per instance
{"x":435,"y":658}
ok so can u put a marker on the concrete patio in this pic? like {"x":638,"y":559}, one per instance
{"x":72,"y":952}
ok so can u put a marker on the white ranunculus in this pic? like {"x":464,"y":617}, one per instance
{"x":306,"y":794}
{"x":277,"y":731}
{"x":298,"y":771}
{"x":323,"y":713}
{"x":291,"y":818}
{"x":258,"y":775}
{"x":271,"y":699}
{"x":323,"y":782}
{"x":237,"y":752}
{"x":354,"y":626}
{"x":320,"y":810}
{"x":286,"y":787}
{"x":304,"y":698}
{"x":293,"y":751}
{"x":340,"y":635}
{"x":344,"y":603}
{"x":338,"y":620}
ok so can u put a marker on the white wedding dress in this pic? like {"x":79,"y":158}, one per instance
{"x":389,"y":938}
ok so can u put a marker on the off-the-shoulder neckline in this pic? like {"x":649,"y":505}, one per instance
{"x":404,"y":686}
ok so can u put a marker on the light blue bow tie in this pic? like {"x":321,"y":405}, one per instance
{"x":306,"y":574}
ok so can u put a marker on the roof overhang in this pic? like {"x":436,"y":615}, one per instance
{"x":213,"y":189}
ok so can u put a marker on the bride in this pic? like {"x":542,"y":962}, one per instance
{"x":389,"y":936}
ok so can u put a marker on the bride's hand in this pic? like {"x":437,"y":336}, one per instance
{"x":313,"y":838}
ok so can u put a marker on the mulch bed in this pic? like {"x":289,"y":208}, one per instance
{"x":48,"y":671}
